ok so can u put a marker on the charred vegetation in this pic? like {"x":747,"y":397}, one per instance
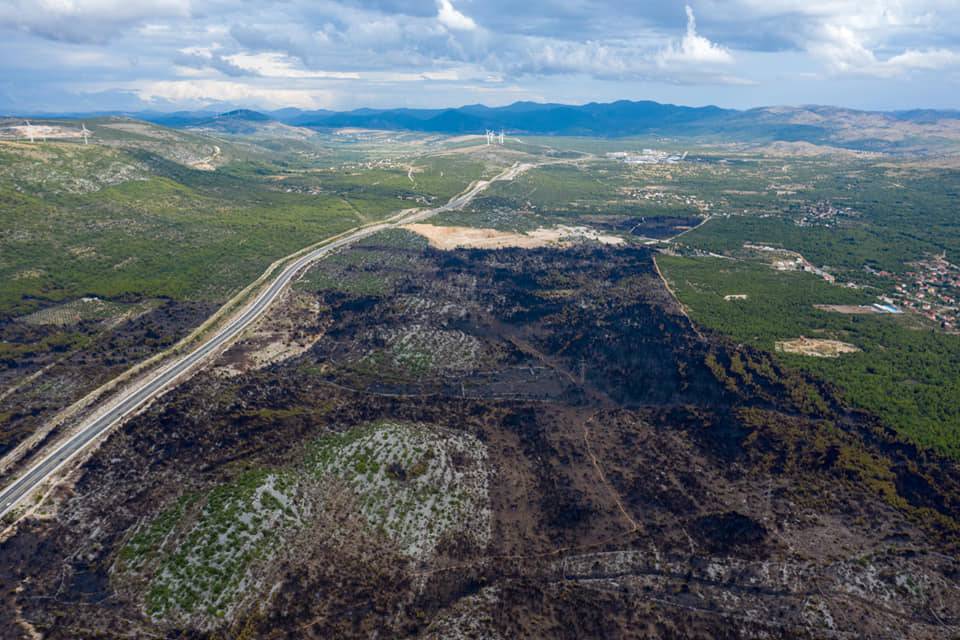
{"x":634,"y":477}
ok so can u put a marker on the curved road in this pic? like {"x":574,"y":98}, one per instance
{"x":137,"y":397}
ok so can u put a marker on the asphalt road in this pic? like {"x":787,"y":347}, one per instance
{"x":137,"y":397}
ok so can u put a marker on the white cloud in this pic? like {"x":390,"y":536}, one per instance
{"x":927,"y":59}
{"x":449,"y":17}
{"x":189,"y":72}
{"x":279,"y":65}
{"x":693,"y":48}
{"x":691,"y":60}
{"x":206,"y":91}
{"x":880,"y":38}
{"x":842,"y":49}
{"x":845,"y":51}
{"x":446,"y":75}
{"x":200,"y":52}
{"x":86,"y":20}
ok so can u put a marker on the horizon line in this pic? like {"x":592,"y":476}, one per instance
{"x":213,"y":109}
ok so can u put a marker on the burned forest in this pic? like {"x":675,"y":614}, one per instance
{"x":493,"y":443}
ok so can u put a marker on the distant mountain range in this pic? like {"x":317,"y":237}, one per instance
{"x":814,"y":124}
{"x":621,"y":118}
{"x":879,"y":130}
{"x":618,"y":118}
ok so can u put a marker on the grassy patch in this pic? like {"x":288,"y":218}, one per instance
{"x":418,"y":350}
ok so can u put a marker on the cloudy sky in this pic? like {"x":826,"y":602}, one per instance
{"x":82,"y":55}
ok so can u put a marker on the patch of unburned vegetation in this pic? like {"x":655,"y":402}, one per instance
{"x":417,"y":483}
{"x":89,"y":308}
{"x":197,"y":565}
{"x":151,"y":538}
{"x":207,"y":556}
{"x":816,"y":347}
{"x":422,"y":349}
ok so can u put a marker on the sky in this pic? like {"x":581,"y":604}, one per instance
{"x":166,"y":55}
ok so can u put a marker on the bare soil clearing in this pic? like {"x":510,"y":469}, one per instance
{"x":816,"y":347}
{"x":852,"y":309}
{"x":41,"y":132}
{"x":448,"y":238}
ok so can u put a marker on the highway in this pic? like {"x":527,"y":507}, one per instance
{"x":133,"y":399}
